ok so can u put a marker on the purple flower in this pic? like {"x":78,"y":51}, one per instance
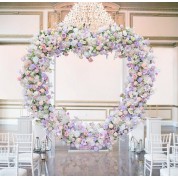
{"x":40,"y":107}
{"x":44,"y":76}
{"x":136,"y":68}
{"x":44,"y":122}
{"x":51,"y":109}
{"x":139,"y":79}
{"x":96,"y":148}
{"x":49,"y":31}
{"x":95,"y":139}
{"x":129,"y":58}
{"x":83,"y":142}
{"x":105,"y":126}
{"x":79,"y":44}
{"x":137,"y":44}
{"x":32,"y":67}
{"x":63,"y":35}
{"x":90,"y":134}
{"x":123,"y":107}
{"x":140,"y":104}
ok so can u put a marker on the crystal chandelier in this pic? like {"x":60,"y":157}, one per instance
{"x":91,"y":15}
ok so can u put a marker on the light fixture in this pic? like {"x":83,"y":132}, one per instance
{"x":91,"y":15}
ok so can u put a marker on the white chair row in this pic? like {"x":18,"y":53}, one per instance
{"x":171,"y":168}
{"x":26,"y":157}
{"x":159,"y":155}
{"x":9,"y":162}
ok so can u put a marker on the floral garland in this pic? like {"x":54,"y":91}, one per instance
{"x":55,"y":42}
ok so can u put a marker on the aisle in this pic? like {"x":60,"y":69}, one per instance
{"x":118,"y":162}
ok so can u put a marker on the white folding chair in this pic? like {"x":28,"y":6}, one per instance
{"x":26,"y":156}
{"x":4,"y":139}
{"x":158,"y":152}
{"x":172,"y":168}
{"x":175,"y":139}
{"x":9,"y":165}
{"x":175,"y":143}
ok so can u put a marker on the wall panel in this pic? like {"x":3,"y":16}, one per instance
{"x":11,"y":64}
{"x":166,"y":83}
{"x":155,"y":25}
{"x":20,"y":24}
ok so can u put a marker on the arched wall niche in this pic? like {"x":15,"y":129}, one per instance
{"x":62,"y":9}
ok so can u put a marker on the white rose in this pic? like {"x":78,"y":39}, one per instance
{"x":120,"y":113}
{"x":77,"y":133}
{"x":115,"y":134}
{"x":36,"y":93}
{"x":111,"y":126}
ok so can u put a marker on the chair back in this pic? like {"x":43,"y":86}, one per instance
{"x":159,"y":143}
{"x":9,"y":159}
{"x":175,"y":139}
{"x":174,"y":155}
{"x":4,"y":139}
{"x":24,"y":141}
{"x":161,"y":138}
{"x":172,"y":160}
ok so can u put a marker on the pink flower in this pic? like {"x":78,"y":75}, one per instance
{"x":66,"y":134}
{"x":90,"y":59}
{"x":19,"y":78}
{"x":42,"y":90}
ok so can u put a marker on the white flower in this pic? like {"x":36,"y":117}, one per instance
{"x":36,"y":93}
{"x":115,"y":134}
{"x":77,"y":133}
{"x":111,"y":126}
{"x":124,"y":33}
{"x":120,"y":113}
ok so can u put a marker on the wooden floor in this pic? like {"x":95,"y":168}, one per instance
{"x":118,"y":162}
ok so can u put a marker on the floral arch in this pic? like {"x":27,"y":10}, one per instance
{"x":52,"y":43}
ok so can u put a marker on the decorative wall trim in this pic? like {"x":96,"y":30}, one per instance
{"x":103,"y":107}
{"x":136,"y":6}
{"x":40,"y":13}
{"x":87,"y":103}
{"x":162,"y":44}
{"x":132,"y":15}
{"x":15,"y":42}
{"x":15,"y":36}
{"x":78,"y":103}
{"x":4,"y":103}
{"x":53,"y":18}
{"x":161,"y":38}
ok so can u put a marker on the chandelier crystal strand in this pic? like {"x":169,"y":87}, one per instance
{"x":91,"y":15}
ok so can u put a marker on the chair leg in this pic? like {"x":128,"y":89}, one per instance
{"x":151,"y":168}
{"x":32,"y":170}
{"x":144,"y":167}
{"x":39,"y":168}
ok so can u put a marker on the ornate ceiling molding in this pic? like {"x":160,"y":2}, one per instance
{"x":137,"y":6}
{"x":62,"y":9}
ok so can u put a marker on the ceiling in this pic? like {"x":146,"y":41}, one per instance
{"x":123,"y":5}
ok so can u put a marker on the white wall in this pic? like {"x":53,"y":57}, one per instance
{"x":166,"y":82}
{"x":10,"y":65}
{"x":79,"y":80}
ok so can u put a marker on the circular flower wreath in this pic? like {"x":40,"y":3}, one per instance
{"x":52,"y":43}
